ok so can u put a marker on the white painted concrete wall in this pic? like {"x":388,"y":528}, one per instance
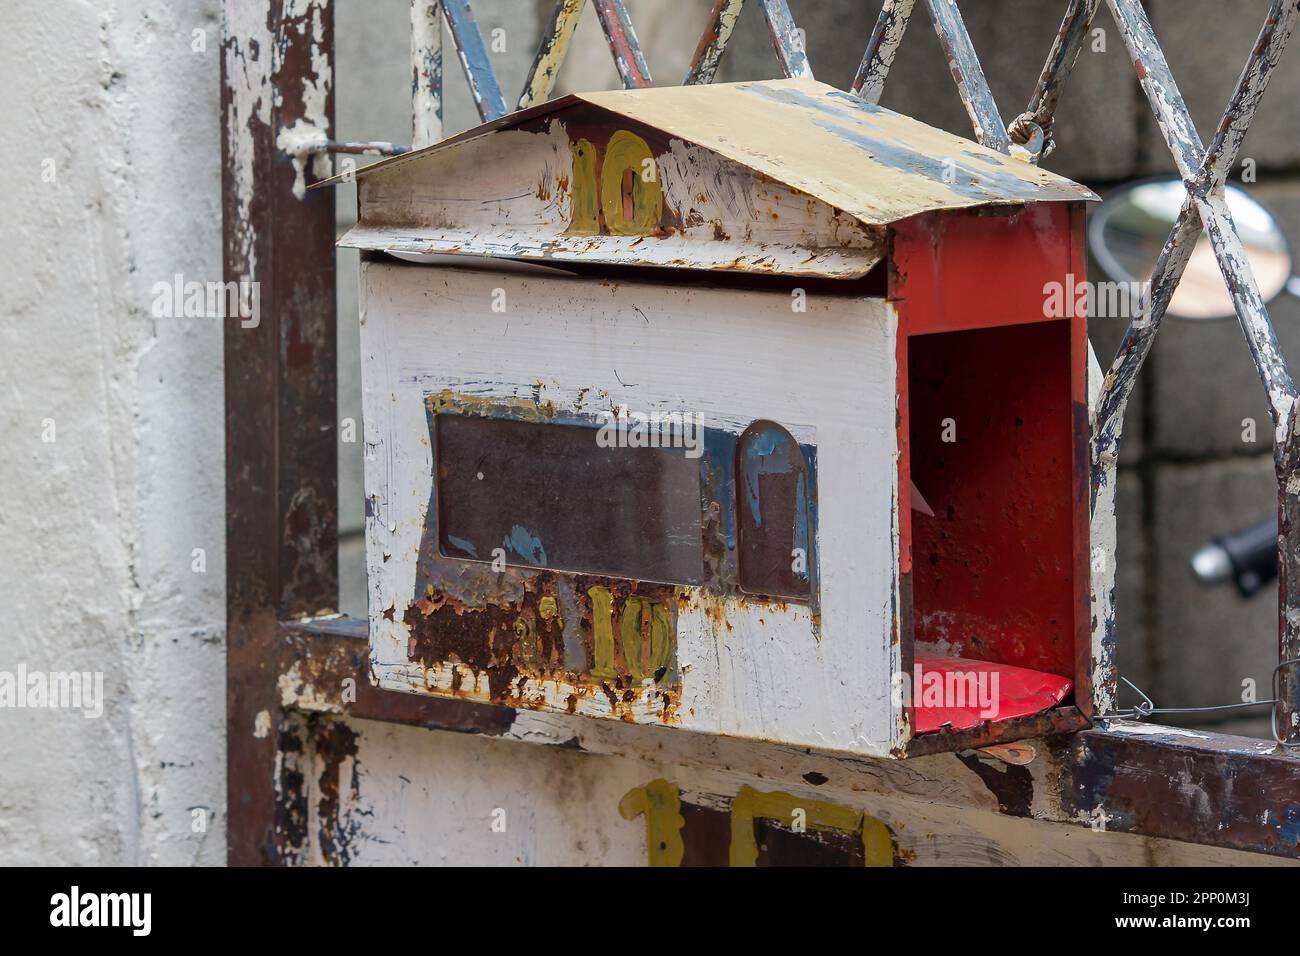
{"x":98,"y":528}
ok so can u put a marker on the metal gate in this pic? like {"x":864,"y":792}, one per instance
{"x":284,"y":659}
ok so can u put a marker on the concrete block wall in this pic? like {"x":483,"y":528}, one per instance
{"x":112,"y":522}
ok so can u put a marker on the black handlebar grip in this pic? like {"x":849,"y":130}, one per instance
{"x":1248,"y":556}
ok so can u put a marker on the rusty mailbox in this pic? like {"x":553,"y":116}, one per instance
{"x":740,"y":409}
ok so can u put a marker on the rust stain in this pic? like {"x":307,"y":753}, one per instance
{"x":291,"y":795}
{"x":520,"y":641}
{"x":335,"y":743}
{"x":533,"y":637}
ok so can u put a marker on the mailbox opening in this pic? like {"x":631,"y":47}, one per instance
{"x":993,"y":568}
{"x":550,"y":496}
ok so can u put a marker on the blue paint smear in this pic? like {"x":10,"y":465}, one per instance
{"x":466,"y":546}
{"x":718,"y":473}
{"x":985,"y":182}
{"x":529,"y":548}
{"x":762,"y":453}
{"x":801,"y":524}
{"x":1289,"y":826}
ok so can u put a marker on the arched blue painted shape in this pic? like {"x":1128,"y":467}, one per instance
{"x":774,"y":530}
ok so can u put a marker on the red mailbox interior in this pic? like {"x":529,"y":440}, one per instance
{"x":993,"y":428}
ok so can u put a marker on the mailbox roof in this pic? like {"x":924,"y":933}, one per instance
{"x":867,"y":166}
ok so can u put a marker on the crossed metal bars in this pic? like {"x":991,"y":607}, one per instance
{"x":1204,"y":172}
{"x":634,"y":73}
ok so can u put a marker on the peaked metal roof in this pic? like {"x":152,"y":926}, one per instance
{"x":863,"y":161}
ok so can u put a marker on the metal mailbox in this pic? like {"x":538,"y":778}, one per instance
{"x":739,"y":409}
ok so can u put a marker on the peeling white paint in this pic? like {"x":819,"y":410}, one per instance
{"x":1103,"y":541}
{"x":768,"y":675}
{"x":303,"y":140}
{"x":1135,"y":729}
{"x":247,"y":47}
{"x":299,"y":693}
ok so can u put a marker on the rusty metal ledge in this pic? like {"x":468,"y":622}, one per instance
{"x":1217,"y":790}
{"x":1234,"y":792}
{"x":1060,"y":720}
{"x":322,"y":654}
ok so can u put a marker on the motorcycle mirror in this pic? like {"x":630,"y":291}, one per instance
{"x":1126,"y":234}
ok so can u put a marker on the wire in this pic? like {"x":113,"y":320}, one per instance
{"x":1148,"y":707}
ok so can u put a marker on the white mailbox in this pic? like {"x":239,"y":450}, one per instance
{"x":652,"y":382}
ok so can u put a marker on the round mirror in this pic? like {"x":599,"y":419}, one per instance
{"x":1128,"y":231}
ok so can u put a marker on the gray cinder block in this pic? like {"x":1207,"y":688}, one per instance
{"x":1206,"y":43}
{"x":1207,"y":640}
{"x":1132,"y":598}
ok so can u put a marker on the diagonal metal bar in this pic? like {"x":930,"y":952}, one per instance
{"x":1117,"y":387}
{"x":1265,"y":56}
{"x":426,"y":72}
{"x":629,"y":60}
{"x":1252,"y":312}
{"x":717,"y":32}
{"x":551,"y":52}
{"x":1184,"y":143}
{"x":787,"y":40}
{"x":474,"y":59}
{"x":1205,"y":172}
{"x":1056,"y":70}
{"x":1158,"y":84}
{"x":1219,"y":158}
{"x":1136,"y":344}
{"x":969,"y":76}
{"x":882,"y":48}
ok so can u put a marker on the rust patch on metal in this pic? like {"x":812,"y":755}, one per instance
{"x":291,"y":799}
{"x":1217,"y":790}
{"x":334,"y":743}
{"x":603,"y":635}
{"x":1061,"y":720}
{"x":331,"y":674}
{"x":540,"y":630}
